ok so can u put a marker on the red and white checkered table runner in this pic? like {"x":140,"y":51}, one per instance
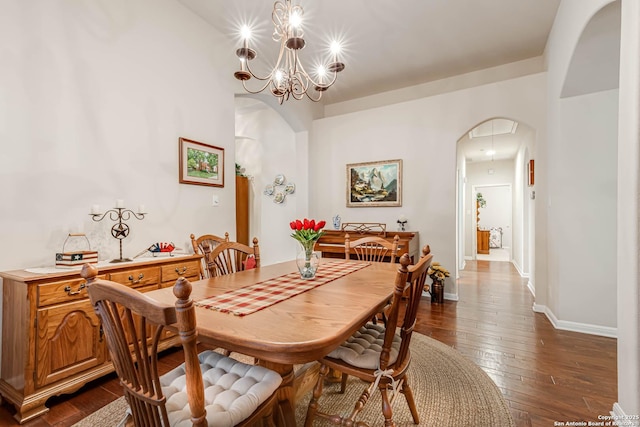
{"x":252,"y":298}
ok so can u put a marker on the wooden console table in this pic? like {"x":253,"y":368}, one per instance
{"x":52,"y":341}
{"x":331,"y":244}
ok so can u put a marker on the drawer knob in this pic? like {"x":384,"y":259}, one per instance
{"x":181,"y":270}
{"x":138,"y":280}
{"x":69,"y":292}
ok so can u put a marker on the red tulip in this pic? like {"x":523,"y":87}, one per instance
{"x":298,"y":224}
{"x":292,"y":224}
{"x":312,"y":224}
{"x":320,"y":225}
{"x":306,"y":224}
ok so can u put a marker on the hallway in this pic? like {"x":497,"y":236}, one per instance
{"x":495,"y":254}
{"x":545,"y":374}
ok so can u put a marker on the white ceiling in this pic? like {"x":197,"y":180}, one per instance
{"x":500,"y":135}
{"x":390,"y":45}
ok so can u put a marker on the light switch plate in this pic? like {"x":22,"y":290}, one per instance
{"x":215,"y":200}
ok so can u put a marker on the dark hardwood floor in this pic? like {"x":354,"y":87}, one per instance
{"x":545,"y":375}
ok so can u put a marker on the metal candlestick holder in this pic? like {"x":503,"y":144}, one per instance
{"x":120,"y":229}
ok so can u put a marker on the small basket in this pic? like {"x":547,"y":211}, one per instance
{"x":67,"y":259}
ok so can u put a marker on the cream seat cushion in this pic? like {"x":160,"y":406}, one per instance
{"x":363,"y":348}
{"x":232,"y":390}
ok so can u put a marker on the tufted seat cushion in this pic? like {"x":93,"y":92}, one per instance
{"x":363,"y":348}
{"x":232,"y":390}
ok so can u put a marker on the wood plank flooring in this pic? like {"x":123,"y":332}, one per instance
{"x":546,"y":375}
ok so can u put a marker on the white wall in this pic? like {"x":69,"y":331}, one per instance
{"x":628,"y":212}
{"x":94,"y":96}
{"x":423,"y":133}
{"x":577,"y":189}
{"x":602,"y":178}
{"x":524,"y":205}
{"x":270,"y":147}
{"x":582,"y":212}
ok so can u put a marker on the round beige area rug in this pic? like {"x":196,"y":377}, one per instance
{"x":449,"y":390}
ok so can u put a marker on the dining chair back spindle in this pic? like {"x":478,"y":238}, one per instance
{"x":378,"y":354}
{"x":196,"y":392}
{"x":198,"y":244}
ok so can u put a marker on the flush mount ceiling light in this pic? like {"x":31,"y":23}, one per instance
{"x":288,"y":78}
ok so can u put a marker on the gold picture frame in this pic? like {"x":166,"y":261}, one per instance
{"x":374,"y":184}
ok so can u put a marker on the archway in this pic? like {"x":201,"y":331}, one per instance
{"x":266,"y":144}
{"x":495,"y":154}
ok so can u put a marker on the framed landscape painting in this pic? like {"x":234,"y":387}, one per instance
{"x":374,"y":184}
{"x":201,"y":164}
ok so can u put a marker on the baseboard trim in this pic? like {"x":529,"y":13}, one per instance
{"x":447,"y":296}
{"x":531,"y":288}
{"x":520,"y":272}
{"x":620,"y":416}
{"x":584,"y":328}
{"x":451,"y":297}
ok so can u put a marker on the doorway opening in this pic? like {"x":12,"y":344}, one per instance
{"x":494,"y":238}
{"x":492,"y":160}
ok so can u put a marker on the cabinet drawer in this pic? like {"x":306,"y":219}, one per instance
{"x":137,"y":277}
{"x":186,"y":268}
{"x":63,"y":291}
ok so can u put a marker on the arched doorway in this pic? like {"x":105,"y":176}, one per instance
{"x":494,"y":155}
{"x":265,"y":143}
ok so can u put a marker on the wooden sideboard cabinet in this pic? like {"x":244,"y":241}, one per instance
{"x":52,"y":340}
{"x":331,"y":244}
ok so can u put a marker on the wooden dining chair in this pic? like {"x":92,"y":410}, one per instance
{"x":199,"y":243}
{"x":377,"y":354}
{"x":372,"y":249}
{"x":208,"y":389}
{"x":231,"y":257}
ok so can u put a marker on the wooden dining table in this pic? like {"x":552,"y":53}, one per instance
{"x":298,"y":330}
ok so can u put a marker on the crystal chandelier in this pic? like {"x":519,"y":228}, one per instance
{"x":288,"y":78}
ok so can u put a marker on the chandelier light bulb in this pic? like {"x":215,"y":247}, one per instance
{"x":295,"y":20}
{"x":335,"y":47}
{"x":245,"y":32}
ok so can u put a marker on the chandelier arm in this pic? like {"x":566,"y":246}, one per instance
{"x":312,"y":98}
{"x":270,"y":75}
{"x":256,"y":91}
{"x":300,"y":76}
{"x":322,"y":85}
{"x":299,"y":86}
